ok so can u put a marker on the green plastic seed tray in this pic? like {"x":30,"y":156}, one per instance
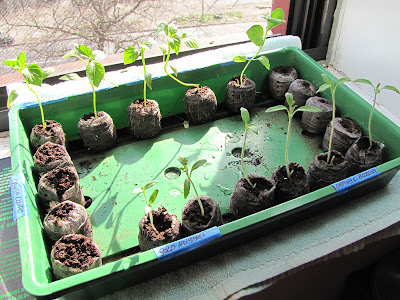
{"x":109,"y":178}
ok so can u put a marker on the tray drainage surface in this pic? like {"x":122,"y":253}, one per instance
{"x":172,"y":173}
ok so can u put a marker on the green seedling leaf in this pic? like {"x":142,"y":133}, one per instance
{"x":153,"y":197}
{"x":182,"y":160}
{"x":343,"y":80}
{"x":172,"y":30}
{"x":46,"y":72}
{"x":276,"y":108}
{"x":137,"y":191}
{"x":277,"y":17}
{"x":325,"y":78}
{"x":83,"y":50}
{"x":147,"y":209}
{"x":163,"y":49}
{"x":175,"y":70}
{"x":130,"y":55}
{"x":289,"y":99}
{"x":147,"y":45}
{"x":198,"y":164}
{"x":323,"y":87}
{"x":256,"y":35}
{"x":186,"y":188}
{"x":21,"y":61}
{"x":245,"y":115}
{"x":72,"y":53}
{"x":95,"y":72}
{"x":175,"y":43}
{"x":11,"y":63}
{"x":253,"y":128}
{"x":150,"y":184}
{"x":391,"y":88}
{"x":190,"y":42}
{"x":71,"y":76}
{"x":362,"y":80}
{"x":162,"y":27}
{"x":147,"y":79}
{"x":309,"y":109}
{"x":264,"y":61}
{"x":11,"y":97}
{"x":33,"y":74}
{"x":240,"y":58}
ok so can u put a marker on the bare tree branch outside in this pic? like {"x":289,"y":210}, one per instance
{"x":47,"y":29}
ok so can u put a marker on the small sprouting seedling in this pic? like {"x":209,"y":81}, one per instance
{"x":147,"y":208}
{"x":94,"y":70}
{"x":246,"y":119}
{"x":131,"y":54}
{"x":330,"y":84}
{"x":377,"y":90}
{"x":257,"y":35}
{"x":32,"y":74}
{"x":291,"y":112}
{"x":174,"y":42}
{"x":188,"y":180}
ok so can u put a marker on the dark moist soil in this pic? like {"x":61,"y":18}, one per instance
{"x":76,"y":252}
{"x":49,"y":152}
{"x":62,"y":212}
{"x":61,"y":179}
{"x":287,"y":189}
{"x":49,"y":130}
{"x":88,"y":201}
{"x":195,"y":216}
{"x":162,"y":222}
{"x":235,"y":81}
{"x":259,"y":191}
{"x":139,"y":105}
{"x":89,"y":116}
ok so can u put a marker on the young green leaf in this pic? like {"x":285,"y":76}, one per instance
{"x":21,"y":61}
{"x":137,"y":191}
{"x":175,"y":43}
{"x":256,"y":35}
{"x":309,"y":109}
{"x":175,"y":70}
{"x":325,"y":78}
{"x":11,"y":63}
{"x":343,"y":80}
{"x":11,"y":97}
{"x":190,"y":42}
{"x":46,"y":72}
{"x":172,"y":29}
{"x":95,"y":72}
{"x":153,"y":197}
{"x":83,"y":50}
{"x":264,"y":61}
{"x":33,"y":74}
{"x":362,"y":80}
{"x":323,"y":87}
{"x":71,"y":76}
{"x":182,"y":160}
{"x":162,"y":27}
{"x":186,"y":188}
{"x":253,"y":128}
{"x":198,"y":164}
{"x":150,"y":184}
{"x":391,"y":88}
{"x":276,"y":108}
{"x":277,"y":17}
{"x":289,"y":99}
{"x":245,"y":115}
{"x":147,"y":78}
{"x":72,"y":53}
{"x":130,"y":55}
{"x":163,"y":50}
{"x":240,"y":58}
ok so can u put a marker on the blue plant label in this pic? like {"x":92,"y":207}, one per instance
{"x":345,"y":184}
{"x":18,"y":196}
{"x":187,"y":244}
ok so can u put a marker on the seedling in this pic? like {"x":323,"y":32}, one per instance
{"x":174,"y":42}
{"x":131,"y":54}
{"x":147,"y":208}
{"x":291,"y":111}
{"x":246,"y":119}
{"x":257,"y":35}
{"x":377,"y":90}
{"x":32,"y":74}
{"x":330,"y":84}
{"x":188,"y":180}
{"x":94,"y":70}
